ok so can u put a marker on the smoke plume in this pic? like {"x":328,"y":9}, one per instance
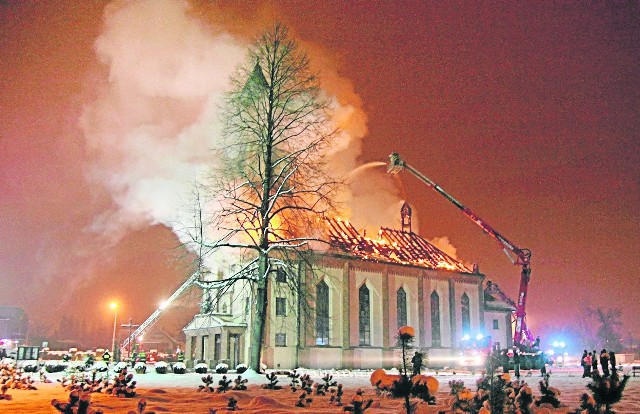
{"x":157,"y":114}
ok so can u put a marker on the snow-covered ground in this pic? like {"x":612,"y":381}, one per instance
{"x":175,"y":393}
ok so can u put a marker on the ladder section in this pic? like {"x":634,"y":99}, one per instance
{"x":151,"y":320}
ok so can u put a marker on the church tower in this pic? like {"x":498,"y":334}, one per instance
{"x":405,"y":214}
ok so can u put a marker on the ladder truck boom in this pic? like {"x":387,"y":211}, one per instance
{"x":151,"y":320}
{"x":516,"y":255}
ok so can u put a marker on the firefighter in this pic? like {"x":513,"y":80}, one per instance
{"x":516,"y":363}
{"x":180,"y":355}
{"x":106,"y":357}
{"x":417,"y":363}
{"x":142,"y":356}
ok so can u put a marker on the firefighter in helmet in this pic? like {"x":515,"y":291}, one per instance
{"x":106,"y":356}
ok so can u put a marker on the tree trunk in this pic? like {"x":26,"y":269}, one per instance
{"x":259,"y":321}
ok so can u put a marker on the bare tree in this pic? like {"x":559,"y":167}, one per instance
{"x":610,"y":321}
{"x":271,"y":187}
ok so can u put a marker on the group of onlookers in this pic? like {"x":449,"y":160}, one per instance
{"x":589,"y":362}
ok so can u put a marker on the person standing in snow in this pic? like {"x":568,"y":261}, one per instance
{"x":587,"y":366}
{"x":417,"y":363}
{"x":612,"y":359}
{"x":583,"y":363}
{"x":594,"y":363}
{"x":106,"y":357}
{"x":604,"y":363}
{"x":516,"y":363}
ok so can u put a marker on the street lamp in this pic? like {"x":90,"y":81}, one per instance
{"x":114,"y":306}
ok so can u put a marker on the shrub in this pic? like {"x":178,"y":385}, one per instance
{"x":273,"y":381}
{"x":240,"y":383}
{"x":123,"y":385}
{"x":607,"y":391}
{"x":120,"y":366}
{"x":50,"y":368}
{"x":161,"y":367}
{"x":222,"y":368}
{"x":140,"y":368}
{"x":549,"y":394}
{"x":180,"y":368}
{"x":241,"y":368}
{"x":208,"y":380}
{"x":101,"y":367}
{"x":201,"y":368}
{"x":30,"y":368}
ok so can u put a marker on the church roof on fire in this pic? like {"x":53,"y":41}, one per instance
{"x":395,"y":246}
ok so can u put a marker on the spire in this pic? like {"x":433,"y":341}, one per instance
{"x":405,"y":215}
{"x":256,"y":80}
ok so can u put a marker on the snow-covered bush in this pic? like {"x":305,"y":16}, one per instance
{"x":30,"y":367}
{"x":222,"y":368}
{"x":201,"y":368}
{"x":140,"y":367}
{"x":161,"y":367}
{"x":240,"y":368}
{"x":55,"y":367}
{"x":179,"y":368}
{"x":120,"y":366}
{"x":100,"y":366}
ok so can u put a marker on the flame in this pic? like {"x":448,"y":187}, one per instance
{"x":409,"y":249}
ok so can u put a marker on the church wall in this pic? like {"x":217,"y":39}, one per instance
{"x":281,"y":331}
{"x":334,"y":278}
{"x":312,"y":355}
{"x":373,"y":281}
{"x":471,"y":290}
{"x":434,"y":282}
{"x":410,"y":285}
{"x":344,"y":276}
{"x":502,"y":335}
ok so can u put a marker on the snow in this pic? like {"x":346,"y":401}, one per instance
{"x":177,"y":393}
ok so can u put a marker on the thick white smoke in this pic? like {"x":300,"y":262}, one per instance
{"x":154,"y":120}
{"x":150,"y":129}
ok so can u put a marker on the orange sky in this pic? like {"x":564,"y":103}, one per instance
{"x":527,"y":114}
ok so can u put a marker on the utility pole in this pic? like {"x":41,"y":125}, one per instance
{"x":129,"y":325}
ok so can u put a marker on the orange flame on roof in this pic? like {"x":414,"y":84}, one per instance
{"x":391,"y":246}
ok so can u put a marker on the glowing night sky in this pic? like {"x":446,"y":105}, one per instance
{"x":526,"y":113}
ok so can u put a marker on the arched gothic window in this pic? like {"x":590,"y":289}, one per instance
{"x":364,"y":315}
{"x":466,"y":315}
{"x":402,"y":307}
{"x":435,"y":319}
{"x":322,"y":313}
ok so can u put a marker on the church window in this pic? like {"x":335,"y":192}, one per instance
{"x":435,"y":319}
{"x":281,"y":339}
{"x":402,"y":307}
{"x":281,"y":307}
{"x":466,"y":315}
{"x":322,"y":314}
{"x":281,"y":276}
{"x":364,"y":316}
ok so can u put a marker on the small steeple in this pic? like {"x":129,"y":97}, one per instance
{"x":256,"y":81}
{"x":405,"y":214}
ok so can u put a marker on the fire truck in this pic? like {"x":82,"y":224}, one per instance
{"x":522,"y":337}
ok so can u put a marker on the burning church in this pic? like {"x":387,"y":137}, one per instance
{"x":357,"y":293}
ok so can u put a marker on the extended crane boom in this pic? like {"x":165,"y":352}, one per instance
{"x":516,"y":255}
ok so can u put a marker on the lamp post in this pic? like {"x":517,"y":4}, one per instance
{"x":114,"y":306}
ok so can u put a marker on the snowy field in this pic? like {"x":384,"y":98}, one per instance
{"x":175,"y":393}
